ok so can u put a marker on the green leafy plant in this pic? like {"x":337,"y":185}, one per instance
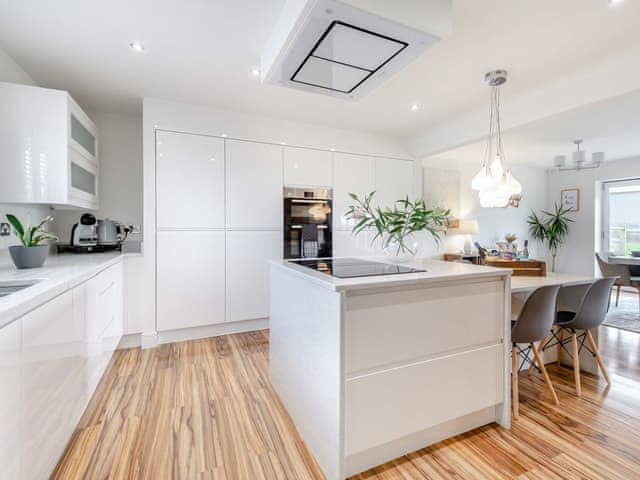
{"x":394,"y":224}
{"x":551,"y":228}
{"x":31,"y":236}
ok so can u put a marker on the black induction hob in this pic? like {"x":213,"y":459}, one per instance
{"x":354,"y":267}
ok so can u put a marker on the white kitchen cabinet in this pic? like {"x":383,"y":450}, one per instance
{"x":49,"y":148}
{"x":351,"y":174}
{"x":253,"y":184}
{"x":394,"y":181}
{"x":248,"y":255}
{"x":190,"y":279}
{"x":307,"y":167}
{"x":10,"y":428}
{"x":190,"y":181}
{"x":53,"y":380}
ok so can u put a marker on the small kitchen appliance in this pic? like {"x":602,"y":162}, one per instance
{"x":85,"y":232}
{"x":90,"y":235}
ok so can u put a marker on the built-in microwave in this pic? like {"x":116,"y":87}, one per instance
{"x":307,"y":222}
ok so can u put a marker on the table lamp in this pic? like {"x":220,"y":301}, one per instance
{"x":466,"y":228}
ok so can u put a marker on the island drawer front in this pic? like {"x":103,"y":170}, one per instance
{"x":393,"y":328}
{"x":387,"y":406}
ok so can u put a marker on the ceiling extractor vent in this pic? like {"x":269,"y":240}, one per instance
{"x":345,"y":48}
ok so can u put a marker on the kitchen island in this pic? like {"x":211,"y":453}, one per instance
{"x":373,"y":367}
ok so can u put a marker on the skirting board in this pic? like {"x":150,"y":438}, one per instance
{"x":151,"y":340}
{"x":367,"y":459}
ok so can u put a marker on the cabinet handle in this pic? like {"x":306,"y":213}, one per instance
{"x":309,"y":201}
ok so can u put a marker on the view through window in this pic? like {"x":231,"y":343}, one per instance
{"x":623,"y":199}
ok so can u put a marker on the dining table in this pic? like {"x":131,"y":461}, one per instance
{"x":632,"y":262}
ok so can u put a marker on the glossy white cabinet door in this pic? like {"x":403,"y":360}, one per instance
{"x":53,"y":384}
{"x":394,"y":181}
{"x":248,"y":255}
{"x":351,"y":173}
{"x":191,"y":279}
{"x":10,"y":428}
{"x":190,"y":181}
{"x":307,"y":167}
{"x":254,"y":184}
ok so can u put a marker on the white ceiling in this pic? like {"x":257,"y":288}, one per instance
{"x":610,"y":126}
{"x":201,"y":51}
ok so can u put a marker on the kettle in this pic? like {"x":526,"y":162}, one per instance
{"x":108,"y":232}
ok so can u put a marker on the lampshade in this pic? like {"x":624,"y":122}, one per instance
{"x":465,"y":227}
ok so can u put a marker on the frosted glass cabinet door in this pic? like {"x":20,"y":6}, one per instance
{"x":351,"y":173}
{"x":10,"y":435}
{"x":190,"y":181}
{"x":248,"y":255}
{"x":394,"y":181}
{"x":254,"y":184}
{"x":191,"y":284}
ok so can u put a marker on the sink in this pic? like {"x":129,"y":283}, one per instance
{"x":7,"y":288}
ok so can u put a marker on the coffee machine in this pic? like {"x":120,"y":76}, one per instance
{"x":85,"y":232}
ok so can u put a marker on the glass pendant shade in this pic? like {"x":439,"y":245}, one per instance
{"x":482,"y":180}
{"x":514,"y":185}
{"x":496,"y":168}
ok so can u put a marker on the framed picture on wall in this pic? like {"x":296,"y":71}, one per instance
{"x":570,"y":199}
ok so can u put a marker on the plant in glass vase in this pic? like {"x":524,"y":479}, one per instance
{"x":551,"y":229}
{"x":396,"y":225}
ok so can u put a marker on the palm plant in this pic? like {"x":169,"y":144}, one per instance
{"x":31,"y":236}
{"x":551,"y":228}
{"x":394,"y":224}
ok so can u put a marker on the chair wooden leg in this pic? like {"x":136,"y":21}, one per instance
{"x":617,"y":295}
{"x":533,"y":363}
{"x":514,"y":382}
{"x":560,"y":347}
{"x":576,"y":364}
{"x":603,"y":369}
{"x":545,"y":375}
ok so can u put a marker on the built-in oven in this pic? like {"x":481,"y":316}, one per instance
{"x":307,"y":222}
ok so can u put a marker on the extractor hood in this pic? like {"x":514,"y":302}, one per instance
{"x":346,"y":48}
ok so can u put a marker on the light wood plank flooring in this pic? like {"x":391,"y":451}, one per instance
{"x":204,"y":409}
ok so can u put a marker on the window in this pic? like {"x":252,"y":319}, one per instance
{"x":621,"y":217}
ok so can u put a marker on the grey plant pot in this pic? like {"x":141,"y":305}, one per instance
{"x":29,"y":257}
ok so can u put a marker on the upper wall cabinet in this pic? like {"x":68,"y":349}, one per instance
{"x":190,"y":181}
{"x":48,"y":148}
{"x":394,"y":181}
{"x":351,"y":174}
{"x":254,"y":185}
{"x":307,"y":168}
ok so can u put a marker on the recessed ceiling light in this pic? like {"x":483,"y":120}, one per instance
{"x":255,"y":71}
{"x":136,"y":47}
{"x":615,"y":2}
{"x":224,"y":135}
{"x":415,"y":107}
{"x":282,"y":143}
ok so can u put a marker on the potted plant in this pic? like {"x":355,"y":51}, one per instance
{"x":32,"y":253}
{"x":551,"y":228}
{"x":397,"y":225}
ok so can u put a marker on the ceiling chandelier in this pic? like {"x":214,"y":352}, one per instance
{"x":579,"y":159}
{"x":496,"y":185}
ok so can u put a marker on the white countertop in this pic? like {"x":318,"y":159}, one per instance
{"x":59,"y":274}
{"x":525,"y":284}
{"x":436,"y":271}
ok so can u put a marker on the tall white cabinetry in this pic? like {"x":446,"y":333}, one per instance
{"x":219,"y":216}
{"x":48,"y":147}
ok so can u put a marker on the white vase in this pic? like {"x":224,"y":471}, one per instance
{"x":402,"y":253}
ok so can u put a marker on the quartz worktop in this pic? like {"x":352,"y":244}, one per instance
{"x":59,"y":274}
{"x":436,"y":271}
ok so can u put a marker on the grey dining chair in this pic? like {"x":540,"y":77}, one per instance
{"x":623,"y":272}
{"x":532,"y":325}
{"x":578,"y":325}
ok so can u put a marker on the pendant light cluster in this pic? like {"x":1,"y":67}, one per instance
{"x":496,"y":186}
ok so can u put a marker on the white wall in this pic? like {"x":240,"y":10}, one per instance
{"x":494,"y":223}
{"x":10,"y":71}
{"x":577,"y":256}
{"x":205,"y":120}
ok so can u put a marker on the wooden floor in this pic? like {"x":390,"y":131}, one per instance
{"x":205,"y":410}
